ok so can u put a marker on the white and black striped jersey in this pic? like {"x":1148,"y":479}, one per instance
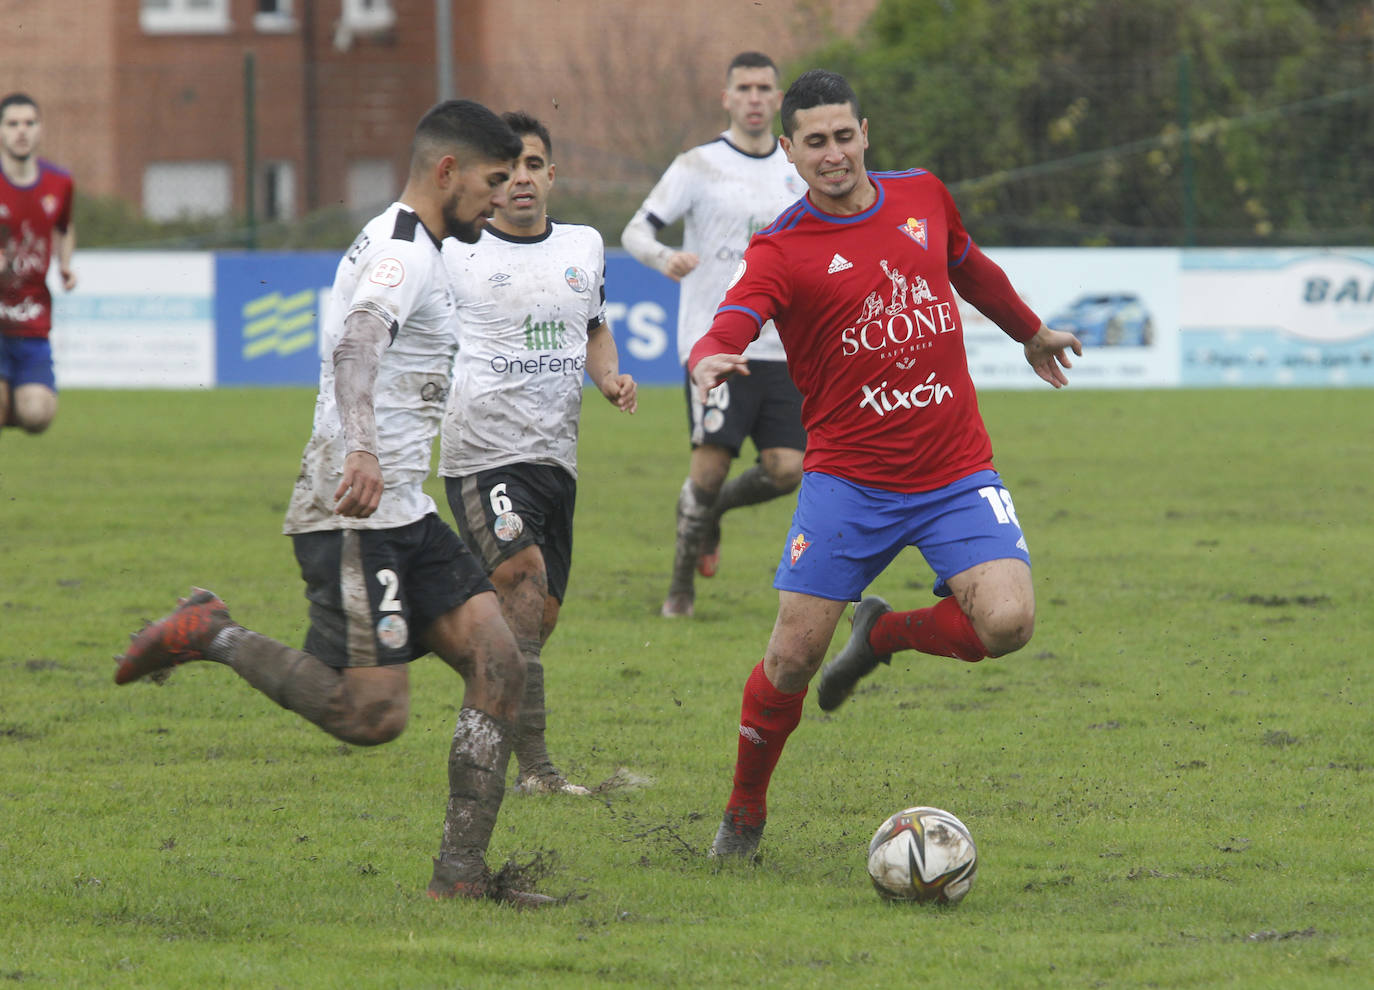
{"x":394,"y":270}
{"x":724,"y":195}
{"x":525,"y":306}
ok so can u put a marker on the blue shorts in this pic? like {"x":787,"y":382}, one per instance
{"x":844,"y":535}
{"x":26,"y":361}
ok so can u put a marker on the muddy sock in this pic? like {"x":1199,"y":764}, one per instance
{"x":694,"y":522}
{"x":292,"y":678}
{"x":531,"y":750}
{"x":477,"y":764}
{"x":747,"y":488}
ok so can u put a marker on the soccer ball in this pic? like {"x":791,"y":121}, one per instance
{"x":922,"y":854}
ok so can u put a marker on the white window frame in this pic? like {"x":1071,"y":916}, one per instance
{"x":279,"y":183}
{"x":179,"y":17}
{"x":363,"y":16}
{"x":279,"y":21}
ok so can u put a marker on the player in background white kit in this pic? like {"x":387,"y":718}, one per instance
{"x":725,"y":191}
{"x":386,"y":579}
{"x":531,"y":321}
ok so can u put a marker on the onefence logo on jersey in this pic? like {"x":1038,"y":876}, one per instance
{"x":388,"y":272}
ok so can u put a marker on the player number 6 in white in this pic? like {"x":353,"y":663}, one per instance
{"x":1000,"y":500}
{"x":500,"y":504}
{"x":391,"y":586}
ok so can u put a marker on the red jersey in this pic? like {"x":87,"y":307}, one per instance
{"x":28,"y":217}
{"x":866,"y":310}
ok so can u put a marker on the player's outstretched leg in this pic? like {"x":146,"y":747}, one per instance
{"x":183,"y":634}
{"x":856,"y":658}
{"x":477,"y":764}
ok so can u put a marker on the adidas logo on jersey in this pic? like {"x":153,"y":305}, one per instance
{"x":838,"y":264}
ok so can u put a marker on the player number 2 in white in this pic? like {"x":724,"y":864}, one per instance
{"x":500,"y":504}
{"x":1000,"y":500}
{"x":391,"y":585}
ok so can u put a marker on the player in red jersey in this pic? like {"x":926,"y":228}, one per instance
{"x":35,"y":224}
{"x":859,"y":277}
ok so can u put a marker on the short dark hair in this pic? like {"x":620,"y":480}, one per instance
{"x":17,"y":100}
{"x":524,"y":125}
{"x":751,"y":60}
{"x":816,"y":88}
{"x":468,"y":126}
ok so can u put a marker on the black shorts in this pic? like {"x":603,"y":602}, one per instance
{"x":374,"y":592}
{"x":502,"y":511}
{"x":763,"y":405}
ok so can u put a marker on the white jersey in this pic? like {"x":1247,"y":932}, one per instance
{"x":726,"y":196}
{"x":395,"y":271}
{"x":525,"y":306}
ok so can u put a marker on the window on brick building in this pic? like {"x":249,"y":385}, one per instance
{"x":278,"y":191}
{"x":184,"y":16}
{"x":371,"y":185}
{"x":368,"y":15}
{"x":274,"y":16}
{"x":178,"y":190}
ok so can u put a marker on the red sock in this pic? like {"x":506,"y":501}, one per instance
{"x":766,"y":719}
{"x":942,"y":630}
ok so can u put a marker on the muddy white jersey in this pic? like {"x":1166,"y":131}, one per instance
{"x":395,"y":271}
{"x":525,"y":306}
{"x":724,"y":196}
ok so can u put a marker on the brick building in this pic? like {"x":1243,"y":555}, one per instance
{"x":163,"y":103}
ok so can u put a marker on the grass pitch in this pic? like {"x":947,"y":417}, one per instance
{"x":1170,"y":787}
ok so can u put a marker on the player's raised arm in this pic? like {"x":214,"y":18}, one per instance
{"x":357,"y":357}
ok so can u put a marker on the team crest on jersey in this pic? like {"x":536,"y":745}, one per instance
{"x":50,"y":205}
{"x":392,"y":632}
{"x":799,"y":545}
{"x":577,"y":279}
{"x":915,"y":229}
{"x":508,"y":526}
{"x":388,"y":272}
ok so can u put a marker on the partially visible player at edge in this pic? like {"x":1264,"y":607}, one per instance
{"x":726,"y":190}
{"x":35,"y":225}
{"x":388,"y":581}
{"x":859,"y":277}
{"x":531,"y":319}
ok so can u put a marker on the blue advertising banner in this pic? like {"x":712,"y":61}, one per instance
{"x":267,"y":316}
{"x":641,"y":309}
{"x":268,"y":305}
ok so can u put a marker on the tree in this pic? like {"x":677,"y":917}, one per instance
{"x":1127,"y":121}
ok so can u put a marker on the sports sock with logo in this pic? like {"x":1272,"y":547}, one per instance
{"x":942,"y":630}
{"x":767,"y":718}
